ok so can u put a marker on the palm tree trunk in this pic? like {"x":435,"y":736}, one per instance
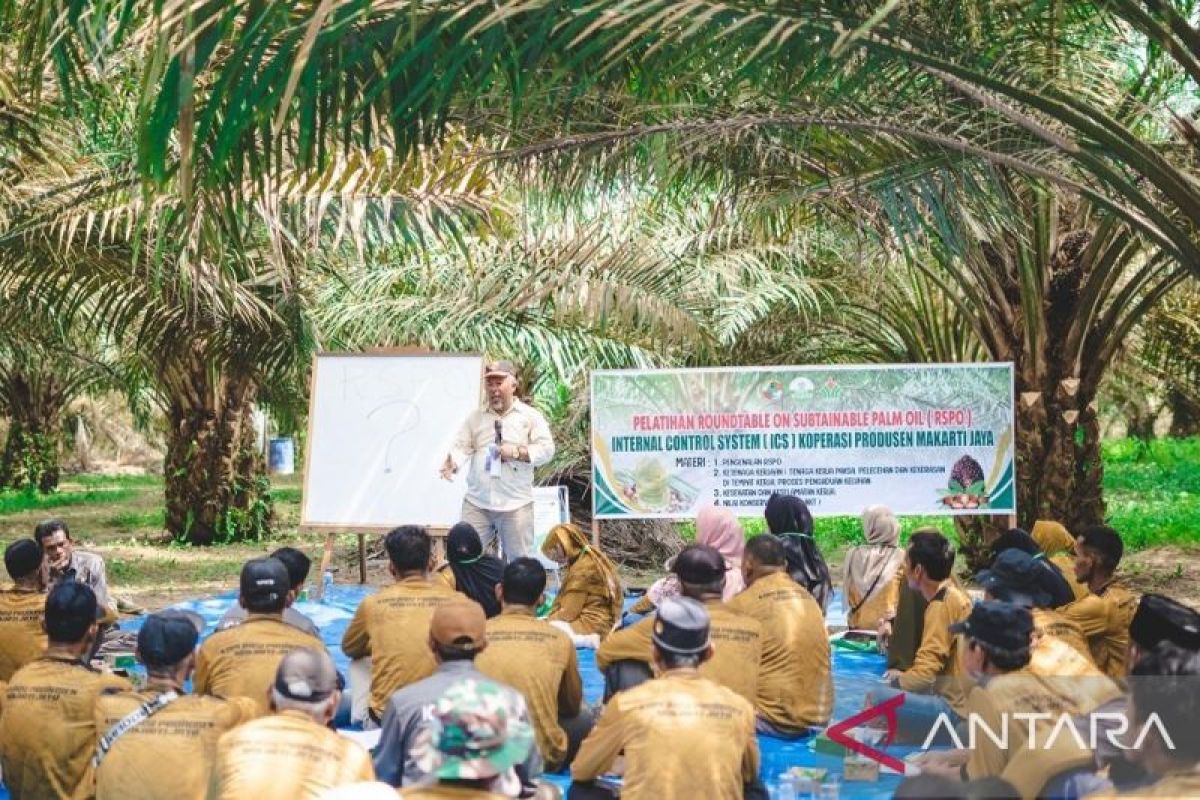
{"x":30,"y":457}
{"x":215,"y":479}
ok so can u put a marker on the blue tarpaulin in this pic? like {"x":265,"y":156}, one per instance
{"x":853,"y":675}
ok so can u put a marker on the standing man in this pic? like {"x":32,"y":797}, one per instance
{"x":502,"y":442}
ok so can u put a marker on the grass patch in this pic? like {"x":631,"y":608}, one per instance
{"x":138,"y":520}
{"x":17,"y":502}
{"x":1153,"y":490}
{"x":285,"y":494}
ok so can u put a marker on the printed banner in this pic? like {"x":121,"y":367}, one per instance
{"x":920,"y":439}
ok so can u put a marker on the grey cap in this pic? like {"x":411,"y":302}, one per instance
{"x":681,"y":627}
{"x":500,"y":369}
{"x":306,"y":674}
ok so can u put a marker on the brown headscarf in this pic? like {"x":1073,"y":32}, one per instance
{"x":575,"y":545}
{"x":871,"y":567}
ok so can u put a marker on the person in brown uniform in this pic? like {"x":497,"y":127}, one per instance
{"x":589,"y":602}
{"x":871,"y":587}
{"x":291,"y":754}
{"x":934,"y":684}
{"x":22,"y":607}
{"x":795,"y":684}
{"x":47,"y":727}
{"x":1104,"y":615}
{"x":390,"y":626}
{"x":627,"y":656}
{"x":241,"y":661}
{"x":539,"y":661}
{"x":682,"y":734}
{"x":1037,"y":761}
{"x":159,"y":743}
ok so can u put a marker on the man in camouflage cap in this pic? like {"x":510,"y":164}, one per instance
{"x":477,"y":737}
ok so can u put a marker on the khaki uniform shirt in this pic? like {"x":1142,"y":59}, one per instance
{"x":682,"y":735}
{"x":1104,"y":618}
{"x":879,"y":606}
{"x":937,"y":666}
{"x":1066,"y":667}
{"x":1027,"y":768}
{"x":737,"y":649}
{"x":392,"y":627}
{"x":522,"y":425}
{"x":583,"y":602}
{"x":48,"y":729}
{"x":538,"y":660}
{"x":21,"y":636}
{"x":168,"y":756}
{"x":286,"y":756}
{"x":241,"y":661}
{"x":795,"y":684}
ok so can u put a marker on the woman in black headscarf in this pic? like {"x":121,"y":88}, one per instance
{"x":469,"y":570}
{"x":788,"y":518}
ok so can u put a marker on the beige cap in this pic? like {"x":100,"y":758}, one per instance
{"x":459,"y":623}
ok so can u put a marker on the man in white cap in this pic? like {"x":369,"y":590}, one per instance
{"x":501,"y":443}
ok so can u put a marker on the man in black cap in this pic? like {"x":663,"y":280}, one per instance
{"x":1105,"y":614}
{"x":47,"y":728}
{"x":22,"y":607}
{"x":1039,"y":760}
{"x":298,"y":566}
{"x":501,"y":443}
{"x":1160,"y":619}
{"x":739,"y":641}
{"x":159,"y":743}
{"x":682,"y":734}
{"x":291,"y":754}
{"x":241,"y":661}
{"x":1050,"y":577}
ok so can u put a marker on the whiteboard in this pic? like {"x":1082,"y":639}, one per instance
{"x":379,"y":428}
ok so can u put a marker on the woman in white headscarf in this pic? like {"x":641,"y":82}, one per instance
{"x":871,"y":588}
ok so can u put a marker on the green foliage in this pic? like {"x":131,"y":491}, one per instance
{"x":15,"y":502}
{"x":1153,"y":490}
{"x":138,"y":520}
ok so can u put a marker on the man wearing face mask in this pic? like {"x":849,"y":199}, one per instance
{"x":501,"y":444}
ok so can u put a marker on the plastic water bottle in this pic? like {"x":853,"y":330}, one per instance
{"x":326,"y":586}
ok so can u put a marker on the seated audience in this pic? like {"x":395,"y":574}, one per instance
{"x":589,"y":601}
{"x":169,"y":752}
{"x":298,"y":566}
{"x":1055,"y":581}
{"x":469,"y":570}
{"x":717,"y":527}
{"x":457,"y":635}
{"x":390,"y":625}
{"x":1058,"y":547}
{"x":1037,"y":762}
{"x":680,"y":731}
{"x":291,"y":754}
{"x":900,"y":635}
{"x":871,"y":586}
{"x":1104,"y":615}
{"x":539,"y":661}
{"x":788,"y":518}
{"x":934,"y":683}
{"x":795,"y":683}
{"x":47,"y":727}
{"x":66,"y":562}
{"x":241,"y":661}
{"x":22,"y":607}
{"x":738,"y":638}
{"x":477,"y":737}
